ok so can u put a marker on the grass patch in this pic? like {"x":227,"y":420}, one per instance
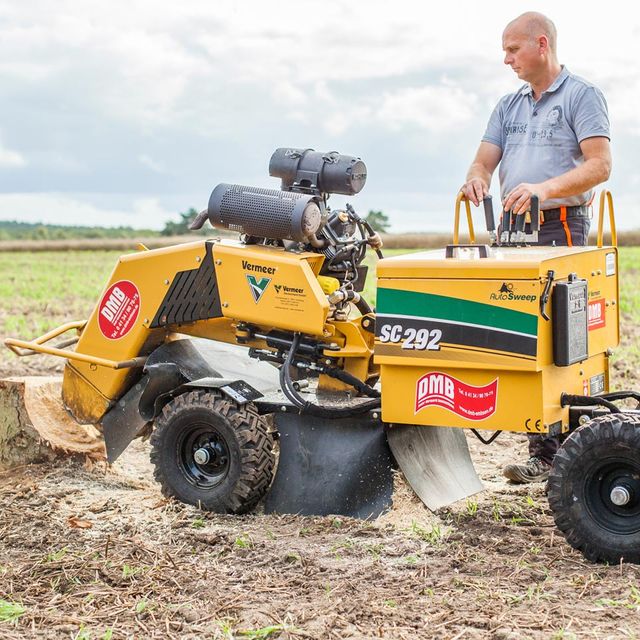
{"x":10,"y":611}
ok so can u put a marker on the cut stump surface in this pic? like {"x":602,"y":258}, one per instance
{"x":35,"y":427}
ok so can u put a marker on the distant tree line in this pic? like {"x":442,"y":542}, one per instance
{"x":13,"y":230}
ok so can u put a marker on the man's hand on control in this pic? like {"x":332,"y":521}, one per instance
{"x":519,"y":199}
{"x":475,"y":189}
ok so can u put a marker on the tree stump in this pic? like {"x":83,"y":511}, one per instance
{"x":35,"y":427}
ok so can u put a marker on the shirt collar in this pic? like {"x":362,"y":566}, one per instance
{"x":555,"y":85}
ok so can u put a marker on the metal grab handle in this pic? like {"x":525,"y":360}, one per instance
{"x":27,"y":347}
{"x":35,"y":345}
{"x":456,"y":221}
{"x":606,"y":195}
{"x":483,"y":249}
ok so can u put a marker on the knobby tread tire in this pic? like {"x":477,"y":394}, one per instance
{"x":249,"y":437}
{"x":606,"y":437}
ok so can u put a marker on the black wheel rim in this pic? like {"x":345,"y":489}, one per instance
{"x":620,"y":473}
{"x":203,"y":455}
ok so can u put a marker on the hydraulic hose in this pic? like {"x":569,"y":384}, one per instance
{"x":310,"y":408}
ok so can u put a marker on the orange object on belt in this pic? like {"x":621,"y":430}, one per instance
{"x":567,"y":231}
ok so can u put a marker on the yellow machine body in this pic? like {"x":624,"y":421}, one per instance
{"x":207,"y":289}
{"x":462,"y":342}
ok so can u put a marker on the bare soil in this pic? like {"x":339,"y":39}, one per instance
{"x":94,"y":552}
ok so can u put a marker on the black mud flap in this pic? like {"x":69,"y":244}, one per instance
{"x":331,"y":466}
{"x":123,"y":422}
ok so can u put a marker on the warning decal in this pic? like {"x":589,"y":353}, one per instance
{"x":119,"y":309}
{"x":442,"y":390}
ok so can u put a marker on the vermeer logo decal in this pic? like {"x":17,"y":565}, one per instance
{"x":257,"y":287}
{"x":437,"y":389}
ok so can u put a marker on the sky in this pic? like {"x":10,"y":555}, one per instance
{"x":127,"y":113}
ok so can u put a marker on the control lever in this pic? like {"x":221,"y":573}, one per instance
{"x":506,"y":228}
{"x":490,"y":220}
{"x":535,"y":219}
{"x":519,"y":228}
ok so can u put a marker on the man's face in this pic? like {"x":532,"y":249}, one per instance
{"x":522,"y":53}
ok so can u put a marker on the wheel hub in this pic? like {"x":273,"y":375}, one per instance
{"x":620,"y":496}
{"x":612,"y":494}
{"x":203,"y":455}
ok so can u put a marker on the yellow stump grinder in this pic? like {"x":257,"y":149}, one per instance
{"x":218,"y":348}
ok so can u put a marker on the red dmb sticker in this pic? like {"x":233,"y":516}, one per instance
{"x":437,"y":389}
{"x":119,"y":309}
{"x":595,"y":314}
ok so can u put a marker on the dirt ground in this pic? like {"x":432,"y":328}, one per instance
{"x":97,"y":552}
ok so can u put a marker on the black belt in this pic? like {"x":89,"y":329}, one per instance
{"x":580,"y":211}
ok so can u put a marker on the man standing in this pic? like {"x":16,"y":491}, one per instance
{"x":551,"y":139}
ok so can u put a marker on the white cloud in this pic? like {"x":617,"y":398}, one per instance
{"x":11,"y":159}
{"x":436,"y":109}
{"x":150,"y":163}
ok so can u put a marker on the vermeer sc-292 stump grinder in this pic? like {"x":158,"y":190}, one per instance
{"x":218,"y":348}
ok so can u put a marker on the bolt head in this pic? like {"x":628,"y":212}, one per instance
{"x":620,"y":496}
{"x":201,"y":456}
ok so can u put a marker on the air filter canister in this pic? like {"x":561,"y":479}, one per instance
{"x":306,"y":170}
{"x":266,"y":213}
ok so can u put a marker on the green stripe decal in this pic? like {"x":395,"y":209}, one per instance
{"x":428,"y":305}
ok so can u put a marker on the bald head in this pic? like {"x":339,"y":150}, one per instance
{"x":533,"y":25}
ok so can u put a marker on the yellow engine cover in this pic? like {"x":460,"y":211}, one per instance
{"x":203,"y":289}
{"x":270,"y":286}
{"x":462,"y":341}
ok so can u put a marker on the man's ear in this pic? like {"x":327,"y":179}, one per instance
{"x":543,"y":44}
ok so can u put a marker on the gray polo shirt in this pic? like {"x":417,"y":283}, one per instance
{"x":541,"y":140}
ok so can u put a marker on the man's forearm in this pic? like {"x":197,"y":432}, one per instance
{"x":593,"y":172}
{"x":480,"y":172}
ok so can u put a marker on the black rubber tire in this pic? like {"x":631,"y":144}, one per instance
{"x":243,"y":443}
{"x":598,"y":456}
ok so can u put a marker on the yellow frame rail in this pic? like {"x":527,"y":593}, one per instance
{"x":25,"y":347}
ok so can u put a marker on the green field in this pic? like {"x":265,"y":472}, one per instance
{"x":41,"y":290}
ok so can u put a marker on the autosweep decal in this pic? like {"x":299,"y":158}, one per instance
{"x":118,"y":309}
{"x":438,"y":389}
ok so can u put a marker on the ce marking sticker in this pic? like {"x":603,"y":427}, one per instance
{"x":532,"y":426}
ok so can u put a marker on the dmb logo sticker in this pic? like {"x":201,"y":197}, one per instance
{"x":437,"y":389}
{"x":119,"y":309}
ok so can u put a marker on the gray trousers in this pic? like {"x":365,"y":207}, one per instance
{"x":553,"y":231}
{"x":542,"y":446}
